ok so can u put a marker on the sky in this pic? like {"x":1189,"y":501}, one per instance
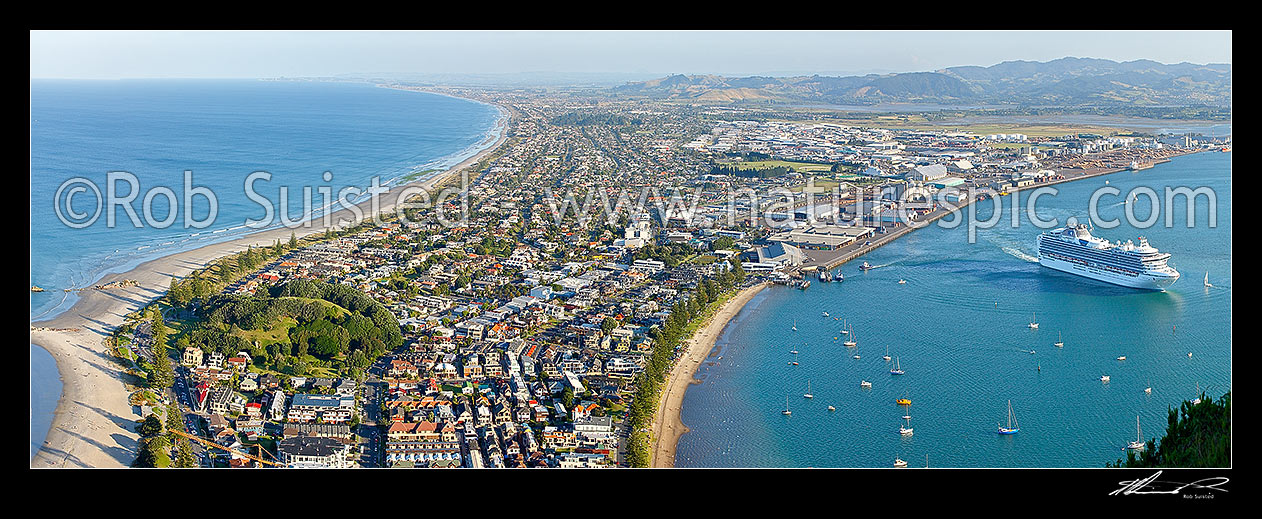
{"x":267,"y":54}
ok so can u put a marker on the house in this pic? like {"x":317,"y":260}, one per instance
{"x":326,"y":408}
{"x":314,"y":452}
{"x":192,"y":356}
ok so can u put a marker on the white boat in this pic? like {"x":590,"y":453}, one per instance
{"x":1123,"y":357}
{"x":1207,"y":285}
{"x":887,"y":354}
{"x":856,"y":356}
{"x":808,"y":394}
{"x":898,"y":463}
{"x":786,"y":412}
{"x":1104,"y":378}
{"x":1059,"y":343}
{"x":907,"y":429}
{"x":902,"y":281}
{"x":1035,"y":323}
{"x":844,"y":330}
{"x":1138,"y":444}
{"x":864,"y":383}
{"x":1189,"y":354}
{"x":1197,"y":400}
{"x":898,"y":369}
{"x":825,"y":314}
{"x":795,"y":352}
{"x":850,"y":342}
{"x":795,"y":325}
{"x":831,"y":408}
{"x":1012,"y":427}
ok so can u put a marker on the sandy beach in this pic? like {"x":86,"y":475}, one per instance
{"x":92,"y":425}
{"x":667,"y":424}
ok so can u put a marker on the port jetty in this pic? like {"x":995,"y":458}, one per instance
{"x":668,"y":424}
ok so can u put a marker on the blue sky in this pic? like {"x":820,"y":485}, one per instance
{"x":248,"y":54}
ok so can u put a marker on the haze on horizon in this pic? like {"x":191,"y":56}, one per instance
{"x":267,"y":54}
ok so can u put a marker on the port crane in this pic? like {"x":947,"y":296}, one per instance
{"x":214,"y":445}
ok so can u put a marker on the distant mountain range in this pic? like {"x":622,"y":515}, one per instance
{"x":1061,"y":82}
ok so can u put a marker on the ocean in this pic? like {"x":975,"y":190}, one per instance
{"x":222,"y":131}
{"x":959,"y":329}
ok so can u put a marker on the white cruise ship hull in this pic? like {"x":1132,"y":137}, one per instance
{"x":1148,"y":281}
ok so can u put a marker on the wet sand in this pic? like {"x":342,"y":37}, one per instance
{"x":668,"y":426}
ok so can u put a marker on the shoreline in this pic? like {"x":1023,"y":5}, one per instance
{"x":671,"y":402}
{"x":668,"y":422}
{"x":92,"y":423}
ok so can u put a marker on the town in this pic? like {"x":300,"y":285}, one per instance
{"x":537,"y":332}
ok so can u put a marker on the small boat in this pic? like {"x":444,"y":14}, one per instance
{"x":905,"y":430}
{"x":902,"y":281}
{"x":791,"y":363}
{"x":1189,"y":354}
{"x":898,"y":463}
{"x":865,"y":266}
{"x":795,"y":325}
{"x":839,"y":278}
{"x":898,"y":368}
{"x":864,"y":383}
{"x":1035,"y":323}
{"x":1138,"y":444}
{"x":831,"y":408}
{"x":1012,"y":427}
{"x":850,"y":342}
{"x":887,"y":354}
{"x":1197,"y":400}
{"x":1104,"y":378}
{"x":1059,"y":343}
{"x":1148,"y":389}
{"x":795,"y":352}
{"x":808,"y":394}
{"x":856,"y":356}
{"x":904,"y":401}
{"x":825,"y":314}
{"x":786,"y":412}
{"x":1123,"y":357}
{"x":1207,"y":285}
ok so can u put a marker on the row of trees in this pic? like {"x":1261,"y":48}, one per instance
{"x":158,"y":450}
{"x":666,"y":339}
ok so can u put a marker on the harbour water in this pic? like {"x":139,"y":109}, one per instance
{"x":959,"y":329}
{"x":221,"y":130}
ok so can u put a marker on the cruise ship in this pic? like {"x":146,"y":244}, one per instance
{"x":1076,"y":251}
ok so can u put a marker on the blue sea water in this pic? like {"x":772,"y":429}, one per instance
{"x":221,"y":130}
{"x":959,"y":329}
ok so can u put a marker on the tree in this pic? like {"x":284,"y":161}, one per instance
{"x":1196,"y":436}
{"x":184,"y":454}
{"x":293,"y":241}
{"x":567,"y":398}
{"x":608,"y":325}
{"x":150,"y":427}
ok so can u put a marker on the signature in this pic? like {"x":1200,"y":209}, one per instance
{"x":1151,"y":485}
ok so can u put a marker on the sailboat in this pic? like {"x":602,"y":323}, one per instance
{"x":1059,"y":343}
{"x":905,"y":430}
{"x":1207,"y":285}
{"x":1197,"y":401}
{"x":1148,"y":389}
{"x":850,"y":343}
{"x":1138,"y":444}
{"x":844,"y":331}
{"x":808,"y":394}
{"x":1034,"y":324}
{"x":899,"y":463}
{"x":898,"y":368}
{"x":1012,"y":427}
{"x":795,"y":325}
{"x":887,"y":354}
{"x":786,"y":412}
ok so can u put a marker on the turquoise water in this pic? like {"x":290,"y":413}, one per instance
{"x":222,"y":130}
{"x":959,"y":329}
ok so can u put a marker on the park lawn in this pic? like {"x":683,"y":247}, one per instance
{"x":800,"y":167}
{"x":341,"y":312}
{"x":278,"y":332}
